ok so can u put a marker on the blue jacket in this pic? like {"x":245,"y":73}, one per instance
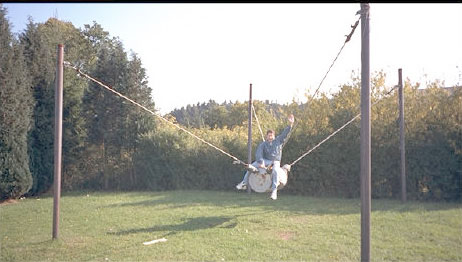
{"x":272,"y":150}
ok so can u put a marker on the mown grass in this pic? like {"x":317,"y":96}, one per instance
{"x":223,"y":226}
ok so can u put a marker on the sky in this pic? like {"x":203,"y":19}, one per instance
{"x":194,"y":53}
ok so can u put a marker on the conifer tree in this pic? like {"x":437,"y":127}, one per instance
{"x":15,"y":115}
{"x":138,"y":121}
{"x":114,"y":124}
{"x":40,"y":42}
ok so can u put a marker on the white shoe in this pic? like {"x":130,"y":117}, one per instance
{"x":241,"y":186}
{"x":274,"y":194}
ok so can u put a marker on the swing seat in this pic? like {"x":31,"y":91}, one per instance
{"x":261,"y":182}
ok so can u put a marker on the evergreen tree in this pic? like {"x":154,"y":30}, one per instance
{"x":15,"y":115}
{"x":41,"y":135}
{"x":114,"y":124}
{"x":138,"y":122}
{"x":103,"y":111}
{"x":40,"y":42}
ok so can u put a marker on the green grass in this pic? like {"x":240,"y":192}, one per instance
{"x":222,"y":226}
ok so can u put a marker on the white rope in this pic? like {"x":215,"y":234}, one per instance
{"x":348,"y":38}
{"x":237,"y":161}
{"x":327,"y":138}
{"x":338,"y":130}
{"x":258,"y":122}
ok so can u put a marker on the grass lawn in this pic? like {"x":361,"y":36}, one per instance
{"x":222,"y":226}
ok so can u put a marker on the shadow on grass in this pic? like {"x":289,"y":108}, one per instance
{"x":191,"y":224}
{"x":261,"y":201}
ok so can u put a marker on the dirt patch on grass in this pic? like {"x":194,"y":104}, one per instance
{"x":286,"y":235}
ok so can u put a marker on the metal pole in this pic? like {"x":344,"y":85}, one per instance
{"x":365,"y":136}
{"x":402,"y":146}
{"x":249,"y":137}
{"x":58,"y":139}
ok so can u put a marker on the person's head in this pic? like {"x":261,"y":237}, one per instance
{"x":270,"y":134}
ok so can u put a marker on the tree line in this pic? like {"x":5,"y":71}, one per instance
{"x":101,"y":132}
{"x":225,"y":115}
{"x":110,"y":144}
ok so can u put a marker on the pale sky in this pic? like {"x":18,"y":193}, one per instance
{"x":197,"y":52}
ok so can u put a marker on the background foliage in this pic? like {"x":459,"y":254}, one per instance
{"x":109,"y":144}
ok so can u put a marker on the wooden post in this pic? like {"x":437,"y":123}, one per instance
{"x":402,"y":146}
{"x":58,"y":139}
{"x":249,"y":138}
{"x":365,"y":133}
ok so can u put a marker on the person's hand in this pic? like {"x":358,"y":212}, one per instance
{"x":291,"y":119}
{"x":251,"y":168}
{"x":262,"y":165}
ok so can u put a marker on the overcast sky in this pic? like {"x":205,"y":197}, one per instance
{"x":196,"y":52}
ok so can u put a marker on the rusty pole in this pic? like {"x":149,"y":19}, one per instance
{"x":249,"y":137}
{"x":402,"y":146}
{"x":58,"y":139}
{"x":365,"y":134}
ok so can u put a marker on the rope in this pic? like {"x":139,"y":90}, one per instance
{"x":261,"y":132}
{"x":348,"y":38}
{"x":237,"y":161}
{"x":338,"y":130}
{"x":258,"y":122}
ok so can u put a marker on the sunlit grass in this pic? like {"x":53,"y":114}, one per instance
{"x":221,"y":226}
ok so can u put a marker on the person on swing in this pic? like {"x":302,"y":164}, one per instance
{"x":269,"y":152}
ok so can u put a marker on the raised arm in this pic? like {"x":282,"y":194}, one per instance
{"x":286,"y":131}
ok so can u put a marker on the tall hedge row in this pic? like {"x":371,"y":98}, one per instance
{"x":170,"y":159}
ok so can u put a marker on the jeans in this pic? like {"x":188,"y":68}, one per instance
{"x":275,"y":175}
